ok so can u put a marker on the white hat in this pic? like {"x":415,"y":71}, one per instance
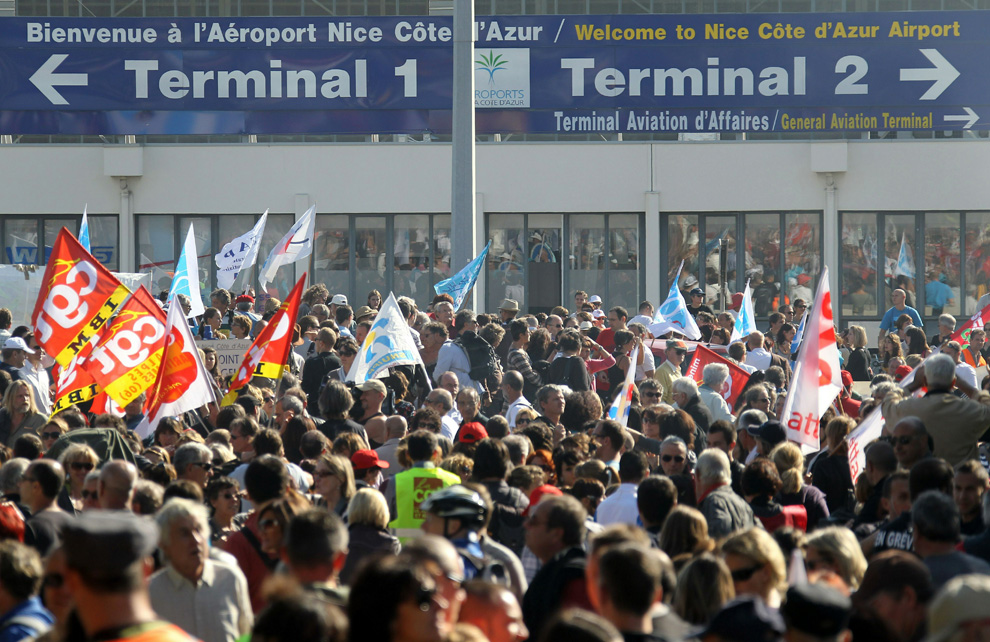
{"x":339,"y":299}
{"x":17,"y":343}
{"x":595,"y":299}
{"x":598,"y":314}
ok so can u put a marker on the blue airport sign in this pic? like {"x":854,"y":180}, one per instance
{"x":533,"y":74}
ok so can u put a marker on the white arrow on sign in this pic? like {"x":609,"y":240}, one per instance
{"x":941,"y":75}
{"x":45,"y":79}
{"x":970,"y":118}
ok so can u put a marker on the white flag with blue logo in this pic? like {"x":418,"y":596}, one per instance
{"x":459,"y":285}
{"x":186,"y":277}
{"x":674,"y":315}
{"x":239,"y":254}
{"x":84,"y":232}
{"x":746,"y":321}
{"x":389,"y":343}
{"x":905,"y":263}
{"x":623,"y":398}
{"x":295,"y":245}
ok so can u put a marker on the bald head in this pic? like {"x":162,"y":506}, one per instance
{"x":755,"y":340}
{"x":116,"y":487}
{"x":395,"y":427}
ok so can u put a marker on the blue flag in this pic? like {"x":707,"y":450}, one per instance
{"x":674,"y":315}
{"x":796,"y":341}
{"x":746,"y":321}
{"x":461,"y":283}
{"x":186,"y":277}
{"x":905,"y":264}
{"x":84,"y":232}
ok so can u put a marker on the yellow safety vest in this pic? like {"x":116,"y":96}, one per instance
{"x":412,"y":487}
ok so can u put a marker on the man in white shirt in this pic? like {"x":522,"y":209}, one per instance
{"x":441,"y":401}
{"x":757,"y":357}
{"x":964,"y":371}
{"x":35,"y":374}
{"x":620,"y":507}
{"x":207,"y":599}
{"x":714,"y":376}
{"x":452,"y":358}
{"x":512,"y":385}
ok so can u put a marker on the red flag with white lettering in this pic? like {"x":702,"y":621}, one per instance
{"x":126,"y":360}
{"x":978,"y":320}
{"x":73,"y":384}
{"x":737,"y":376}
{"x":78,"y":295}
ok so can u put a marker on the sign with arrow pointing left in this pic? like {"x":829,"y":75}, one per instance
{"x":845,"y":72}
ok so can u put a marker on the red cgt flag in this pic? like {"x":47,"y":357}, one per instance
{"x":78,"y":295}
{"x":73,"y":384}
{"x":737,"y":376}
{"x":126,"y":360}
{"x":267,"y":355}
{"x":978,"y":320}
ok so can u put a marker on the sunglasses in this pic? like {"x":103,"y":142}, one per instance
{"x":743,"y":574}
{"x":53,"y":580}
{"x":652,"y":394}
{"x":267,"y":523}
{"x":51,"y":435}
{"x":82,"y":465}
{"x":203,"y":464}
{"x":675,"y":458}
{"x":269,"y":399}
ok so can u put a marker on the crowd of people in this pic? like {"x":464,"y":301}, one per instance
{"x":489,"y":496}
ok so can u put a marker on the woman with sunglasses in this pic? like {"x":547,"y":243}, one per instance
{"x":273,"y":518}
{"x":757,"y":565}
{"x":50,"y":432}
{"x":223,"y":495}
{"x":333,"y":481}
{"x":394,"y":600}
{"x":77,"y":460}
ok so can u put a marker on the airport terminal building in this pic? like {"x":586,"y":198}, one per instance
{"x":723,"y":153}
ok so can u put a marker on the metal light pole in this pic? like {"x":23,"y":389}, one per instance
{"x":463,"y":226}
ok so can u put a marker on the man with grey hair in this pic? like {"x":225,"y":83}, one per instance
{"x":207,"y":599}
{"x":442,"y":402}
{"x":946,"y":326}
{"x":193,"y":462}
{"x":714,"y":377}
{"x":285,"y":409}
{"x":685,"y":393}
{"x":937,"y":525}
{"x":960,"y":420}
{"x":964,"y":371}
{"x":10,"y":482}
{"x":116,"y":486}
{"x":724,"y":510}
{"x":749,"y":419}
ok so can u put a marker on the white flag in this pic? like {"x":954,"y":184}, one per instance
{"x":296,"y":244}
{"x":623,"y":398}
{"x":389,"y":343}
{"x":746,"y":321}
{"x":817,"y":379}
{"x":869,"y":430}
{"x":186,"y":278}
{"x":239,"y":254}
{"x":182,"y":383}
{"x":673,"y":314}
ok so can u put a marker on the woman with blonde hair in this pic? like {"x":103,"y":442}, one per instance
{"x":685,"y":534}
{"x":78,"y":460}
{"x":704,"y":586}
{"x":367,"y":527}
{"x":858,"y":363}
{"x":835,"y":549}
{"x":756,"y":564}
{"x":333,"y":481}
{"x":789,"y":461}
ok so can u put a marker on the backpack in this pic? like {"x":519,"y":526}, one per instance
{"x":484,"y":362}
{"x":485,"y":568}
{"x":570,"y":372}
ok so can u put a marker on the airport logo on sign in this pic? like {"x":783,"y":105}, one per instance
{"x":501,"y":78}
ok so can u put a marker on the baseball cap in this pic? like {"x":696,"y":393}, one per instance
{"x":964,"y":598}
{"x":472,"y":432}
{"x":675,"y":344}
{"x":817,"y":610}
{"x":373,"y":384}
{"x":771,"y":431}
{"x":586,"y":325}
{"x":364,"y":459}
{"x":244,"y":298}
{"x":902,"y":371}
{"x":339,"y":299}
{"x":17,"y":343}
{"x":538,"y":493}
{"x":697,"y":291}
{"x":737,"y":300}
{"x":595,"y":299}
{"x":847,"y":378}
{"x":598,"y":314}
{"x":747,"y":619}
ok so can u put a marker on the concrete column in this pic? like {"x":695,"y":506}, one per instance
{"x":463,"y":220}
{"x":651,"y":259}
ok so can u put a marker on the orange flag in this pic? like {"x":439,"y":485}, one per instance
{"x":78,"y":295}
{"x":267,"y":355}
{"x":125,"y":362}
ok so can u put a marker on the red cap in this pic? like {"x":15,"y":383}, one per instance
{"x":244,"y":298}
{"x":365,"y":459}
{"x":902,"y":371}
{"x":737,"y":299}
{"x":538,"y":493}
{"x":847,"y":379}
{"x":472,"y":432}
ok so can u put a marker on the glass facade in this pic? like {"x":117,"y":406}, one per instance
{"x":30,"y":239}
{"x":941,"y":259}
{"x":540,"y":260}
{"x":746,"y":246}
